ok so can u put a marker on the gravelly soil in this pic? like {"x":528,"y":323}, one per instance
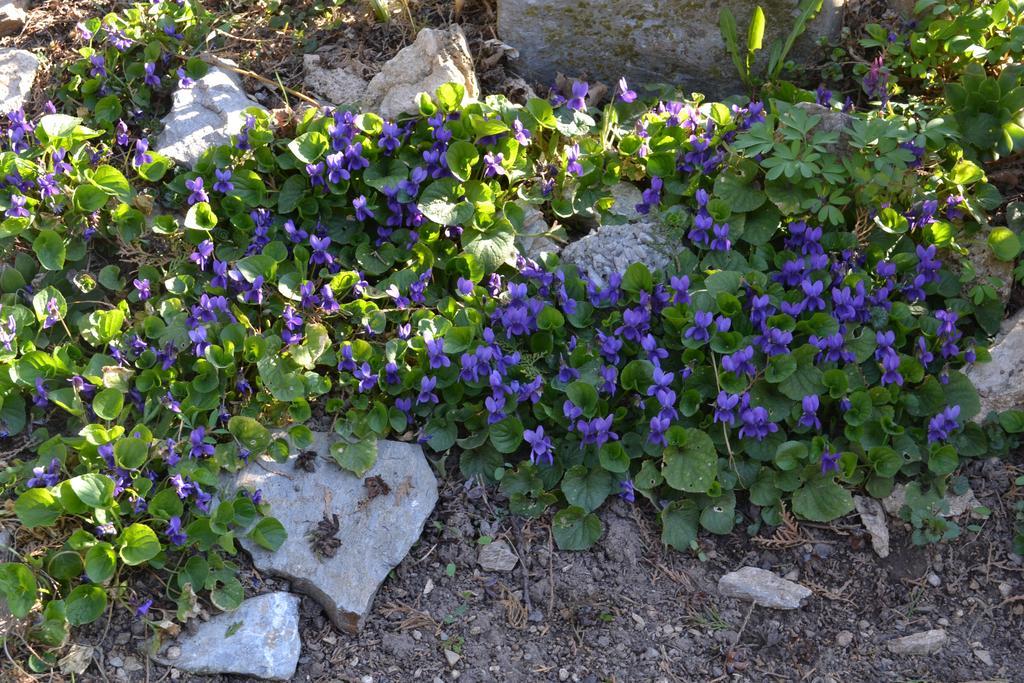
{"x":629,"y":610}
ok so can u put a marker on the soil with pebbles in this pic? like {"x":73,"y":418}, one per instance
{"x":630,"y":610}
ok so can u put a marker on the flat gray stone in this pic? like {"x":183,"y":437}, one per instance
{"x":613,"y":248}
{"x":648,"y":41}
{"x":988,"y":270}
{"x":260,"y":639}
{"x":13,"y":15}
{"x":763,"y":588}
{"x":497,"y":556}
{"x":999,"y":381}
{"x":376,"y":532}
{"x":530,"y":239}
{"x":626,"y":196}
{"x":872,"y":515}
{"x":958,"y":505}
{"x":17,"y":74}
{"x":203,"y":116}
{"x":337,"y":86}
{"x":922,"y":643}
{"x":435,"y":58}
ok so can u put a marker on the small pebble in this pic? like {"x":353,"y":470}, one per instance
{"x":115,"y":661}
{"x":173,"y":652}
{"x":943,"y":621}
{"x":563,"y":674}
{"x":934,"y":580}
{"x":452,"y":657}
{"x":366,"y":679}
{"x":417,"y":635}
{"x":844,"y":638}
{"x":864,"y":625}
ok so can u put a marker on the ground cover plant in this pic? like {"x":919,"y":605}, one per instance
{"x":808,"y":340}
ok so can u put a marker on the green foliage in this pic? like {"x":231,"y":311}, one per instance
{"x":808,"y":343}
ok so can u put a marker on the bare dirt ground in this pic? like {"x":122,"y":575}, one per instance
{"x":630,"y":610}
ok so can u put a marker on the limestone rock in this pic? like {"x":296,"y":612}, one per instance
{"x":873,"y":516}
{"x":13,"y":16}
{"x":337,"y":86}
{"x":988,"y":268}
{"x":377,"y":526}
{"x":435,"y":58}
{"x":497,"y":556}
{"x":17,"y":74}
{"x":626,"y":196}
{"x":999,"y":381}
{"x":529,"y":238}
{"x":613,"y":248}
{"x":260,"y":639}
{"x":958,"y":505}
{"x":922,"y":643}
{"x":648,"y":41}
{"x":203,"y":116}
{"x":763,"y":588}
{"x":832,"y":121}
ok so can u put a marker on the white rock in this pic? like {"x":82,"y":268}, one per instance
{"x":530,"y":238}
{"x":13,"y":16}
{"x":204,"y":116}
{"x":76,"y":661}
{"x":435,"y":58}
{"x":613,"y":248}
{"x":921,"y":643}
{"x":375,"y":532}
{"x":452,"y":657}
{"x":497,"y":556}
{"x":985,"y":656}
{"x":626,"y":196}
{"x":999,"y":382}
{"x":844,"y":638}
{"x":763,"y":588}
{"x":17,"y":74}
{"x":873,"y":516}
{"x":987,"y":267}
{"x":260,"y":638}
{"x":958,"y":505}
{"x":337,"y":86}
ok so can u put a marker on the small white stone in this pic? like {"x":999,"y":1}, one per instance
{"x":763,"y":588}
{"x":922,"y":643}
{"x":435,"y":58}
{"x":452,"y":657}
{"x":934,"y":580}
{"x":844,"y":638}
{"x":872,"y":515}
{"x":417,"y":634}
{"x":563,"y":674}
{"x":984,"y":656}
{"x":497,"y":556}
{"x":17,"y":74}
